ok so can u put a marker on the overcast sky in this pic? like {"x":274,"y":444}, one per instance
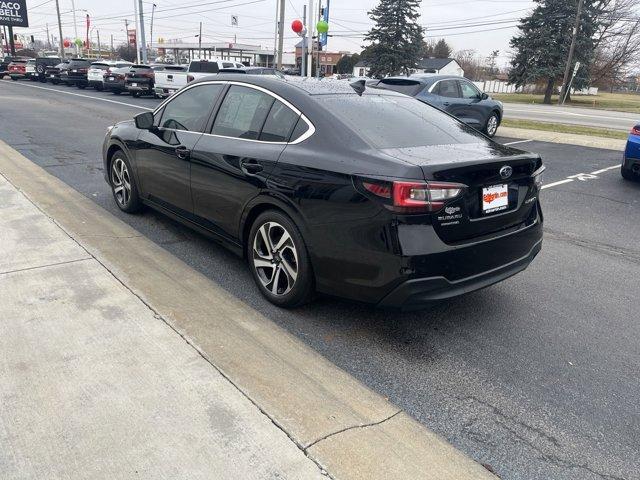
{"x":483,"y":25}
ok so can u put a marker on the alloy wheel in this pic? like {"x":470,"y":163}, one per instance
{"x":121,"y":181}
{"x":492,"y":125}
{"x":275,"y":258}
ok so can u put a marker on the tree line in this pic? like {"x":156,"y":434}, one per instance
{"x":607,"y":44}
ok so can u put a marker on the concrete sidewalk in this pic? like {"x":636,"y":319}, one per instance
{"x":93,"y":385}
{"x":104,"y":376}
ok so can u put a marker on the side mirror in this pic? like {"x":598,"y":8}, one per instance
{"x":144,"y":121}
{"x":484,"y":96}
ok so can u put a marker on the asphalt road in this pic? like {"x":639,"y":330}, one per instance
{"x":536,"y":376}
{"x":573,"y":115}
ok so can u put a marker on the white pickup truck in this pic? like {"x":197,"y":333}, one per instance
{"x":174,"y":77}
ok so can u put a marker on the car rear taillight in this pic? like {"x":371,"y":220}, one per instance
{"x":635,"y":130}
{"x":429,"y":196}
{"x":190,"y":78}
{"x":82,"y":70}
{"x":414,"y":197}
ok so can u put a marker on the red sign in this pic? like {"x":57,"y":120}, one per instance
{"x":131,"y":34}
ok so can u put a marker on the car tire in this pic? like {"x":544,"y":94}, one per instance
{"x":81,"y":87}
{"x":55,"y":82}
{"x":279,"y":261}
{"x":117,"y":92}
{"x":491,"y":127}
{"x":628,"y":175}
{"x":135,"y":94}
{"x":15,"y":79}
{"x":123,"y":183}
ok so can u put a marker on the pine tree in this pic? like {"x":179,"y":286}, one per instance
{"x":442,"y":49}
{"x":396,"y":38}
{"x":542,"y":45}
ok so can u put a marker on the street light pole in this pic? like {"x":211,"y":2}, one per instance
{"x":135,"y":20}
{"x":200,"y":43}
{"x":280,"y":34}
{"x":572,"y":48}
{"x":142,"y":36}
{"x":153,"y":9}
{"x":60,"y":39}
{"x":75,"y":26}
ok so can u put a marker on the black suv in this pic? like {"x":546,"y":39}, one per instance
{"x":77,"y":72}
{"x":42,"y":64}
{"x":141,"y":79}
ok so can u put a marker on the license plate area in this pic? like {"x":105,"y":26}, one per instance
{"x":494,"y":199}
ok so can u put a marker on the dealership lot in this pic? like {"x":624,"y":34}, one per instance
{"x":536,"y":376}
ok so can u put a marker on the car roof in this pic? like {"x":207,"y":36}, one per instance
{"x":295,"y":85}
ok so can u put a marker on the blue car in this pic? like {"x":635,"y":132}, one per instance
{"x":455,"y":95}
{"x":631,"y":159}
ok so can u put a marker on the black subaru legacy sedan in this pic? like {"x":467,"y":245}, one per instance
{"x":369,"y":195}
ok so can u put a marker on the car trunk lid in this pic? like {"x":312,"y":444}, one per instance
{"x":501,"y":193}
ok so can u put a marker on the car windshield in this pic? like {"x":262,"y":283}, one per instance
{"x":395,"y":121}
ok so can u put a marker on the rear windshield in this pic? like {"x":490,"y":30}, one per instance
{"x":175,"y":68}
{"x":204,"y":67}
{"x":387,"y":121}
{"x":101,"y":66}
{"x":408,"y":87}
{"x":79,"y":63}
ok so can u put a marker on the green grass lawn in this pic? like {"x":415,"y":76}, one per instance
{"x":621,"y":102}
{"x":564,"y":128}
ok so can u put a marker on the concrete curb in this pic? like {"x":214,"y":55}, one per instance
{"x":338,"y":422}
{"x":566,"y":138}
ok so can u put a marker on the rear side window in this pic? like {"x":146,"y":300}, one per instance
{"x":190,"y":110}
{"x":395,"y":121}
{"x":227,"y":65}
{"x":242,"y":113}
{"x":279,"y":124}
{"x":447,"y":88}
{"x":301,"y":128}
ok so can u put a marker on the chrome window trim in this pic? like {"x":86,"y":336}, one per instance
{"x":302,"y":138}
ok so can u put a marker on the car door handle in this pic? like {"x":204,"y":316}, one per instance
{"x":446,"y":104}
{"x":251,"y":167}
{"x":183,"y":153}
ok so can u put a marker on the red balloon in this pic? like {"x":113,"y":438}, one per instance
{"x":297,"y":26}
{"x":66,"y":43}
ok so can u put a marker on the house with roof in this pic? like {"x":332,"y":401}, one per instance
{"x":436,"y":66}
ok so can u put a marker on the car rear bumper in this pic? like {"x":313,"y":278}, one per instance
{"x":165,"y":92}
{"x":419,"y":292}
{"x":139,"y":88}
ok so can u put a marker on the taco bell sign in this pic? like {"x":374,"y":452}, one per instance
{"x":14,"y":13}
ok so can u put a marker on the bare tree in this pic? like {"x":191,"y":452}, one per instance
{"x":617,"y":42}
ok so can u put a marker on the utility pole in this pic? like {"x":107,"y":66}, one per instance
{"x":280,"y":34}
{"x":111,"y":51}
{"x":75,"y":27}
{"x":48,"y":38}
{"x":318,"y":47}
{"x":126,"y":27}
{"x":303,"y":69}
{"x":200,"y":43}
{"x":60,"y":38}
{"x":153,"y":9}
{"x":12,"y":45}
{"x":135,"y":20}
{"x":99,"y":46}
{"x":572,"y":48}
{"x":6,"y":38}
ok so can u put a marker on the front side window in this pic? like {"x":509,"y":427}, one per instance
{"x":279,"y":124}
{"x":242,"y":113}
{"x":448,"y":88}
{"x":190,"y":110}
{"x":468,"y":90}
